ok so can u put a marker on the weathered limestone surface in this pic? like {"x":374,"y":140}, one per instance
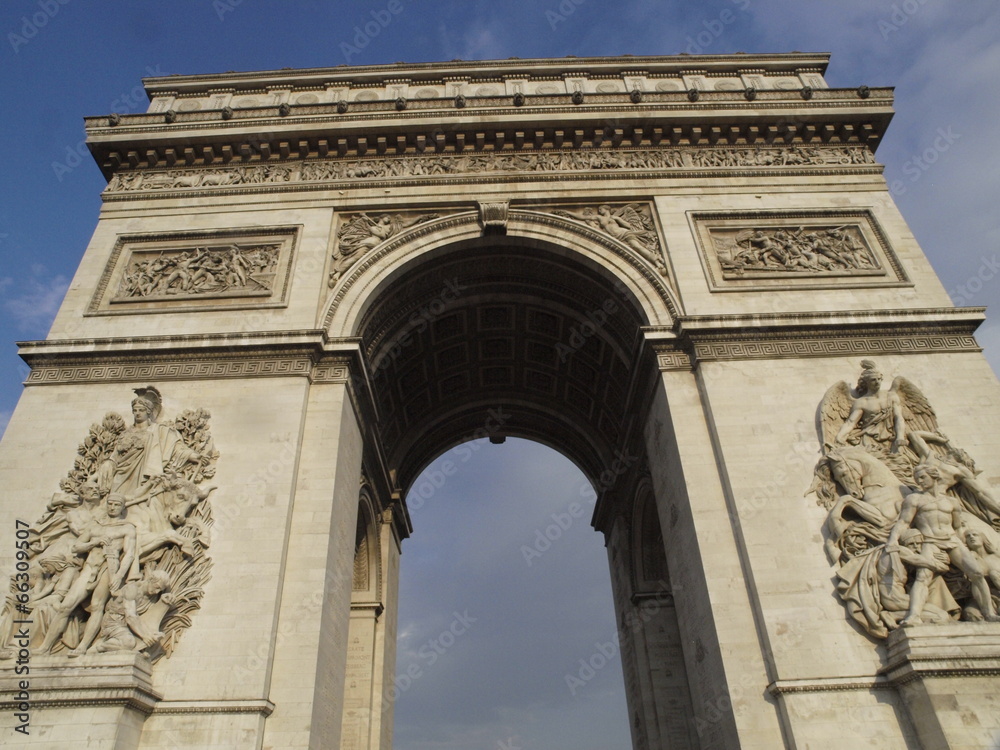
{"x":632,"y":259}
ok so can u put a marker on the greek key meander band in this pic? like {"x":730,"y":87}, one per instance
{"x":338,"y":370}
{"x":847,"y":346}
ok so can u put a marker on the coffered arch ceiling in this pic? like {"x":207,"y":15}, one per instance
{"x":497,"y":338}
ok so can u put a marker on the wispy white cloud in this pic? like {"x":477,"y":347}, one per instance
{"x":34,"y":303}
{"x":480,"y":40}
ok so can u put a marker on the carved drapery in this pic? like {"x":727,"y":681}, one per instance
{"x":795,"y":249}
{"x":228,"y":270}
{"x":196,"y":270}
{"x":911,"y":525}
{"x":118,"y":561}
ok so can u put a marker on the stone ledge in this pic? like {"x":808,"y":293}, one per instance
{"x":957,"y":650}
{"x":91,"y":680}
{"x":261,"y":706}
{"x":827,"y":684}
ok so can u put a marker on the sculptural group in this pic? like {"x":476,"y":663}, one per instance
{"x":203,"y":270}
{"x":118,"y":560}
{"x":911,"y":526}
{"x":794,"y":249}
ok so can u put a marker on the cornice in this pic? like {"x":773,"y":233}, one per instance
{"x":828,"y":684}
{"x":697,"y":339}
{"x":278,"y":134}
{"x":261,"y":706}
{"x":482,"y":68}
{"x":193,"y":357}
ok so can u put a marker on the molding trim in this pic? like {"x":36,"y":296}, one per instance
{"x":261,"y":706}
{"x":828,"y":684}
{"x":820,"y":345}
{"x":136,"y":698}
{"x":698,"y":339}
{"x":169,"y":368}
{"x":332,"y":370}
{"x":120,"y":679}
{"x":668,"y":359}
{"x":598,"y":162}
{"x":283,"y":354}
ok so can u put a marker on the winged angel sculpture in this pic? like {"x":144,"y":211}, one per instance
{"x":910,"y":525}
{"x":363,"y":233}
{"x":118,"y":560}
{"x":628,"y":224}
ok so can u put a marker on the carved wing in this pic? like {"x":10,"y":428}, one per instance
{"x":192,"y":424}
{"x":397,"y":223}
{"x":834,"y":411}
{"x":188,"y":576}
{"x":631,"y":216}
{"x":917,"y":411}
{"x":356,"y":230}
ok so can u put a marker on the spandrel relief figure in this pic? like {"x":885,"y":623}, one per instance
{"x":629,"y":224}
{"x":910,"y":523}
{"x":118,"y":560}
{"x":364,"y":233}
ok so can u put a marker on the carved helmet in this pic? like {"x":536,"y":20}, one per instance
{"x":151,"y":397}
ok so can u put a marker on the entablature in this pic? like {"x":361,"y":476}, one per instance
{"x":505,"y":107}
{"x":697,"y":339}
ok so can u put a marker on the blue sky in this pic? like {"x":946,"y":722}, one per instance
{"x":63,"y":59}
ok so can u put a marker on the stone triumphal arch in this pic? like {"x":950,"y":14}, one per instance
{"x":684,"y":273}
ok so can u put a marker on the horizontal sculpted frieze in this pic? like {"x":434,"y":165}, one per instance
{"x":432,"y":165}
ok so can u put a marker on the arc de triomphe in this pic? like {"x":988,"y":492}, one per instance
{"x":684,"y":273}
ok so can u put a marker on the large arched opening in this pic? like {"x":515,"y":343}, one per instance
{"x":469,"y":336}
{"x":507,"y":632}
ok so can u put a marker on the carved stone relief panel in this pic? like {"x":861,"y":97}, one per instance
{"x":631,"y":224}
{"x":118,"y":561}
{"x":911,"y":524}
{"x":358,"y":234}
{"x":196,"y":271}
{"x":604,"y":159}
{"x":794,"y":250}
